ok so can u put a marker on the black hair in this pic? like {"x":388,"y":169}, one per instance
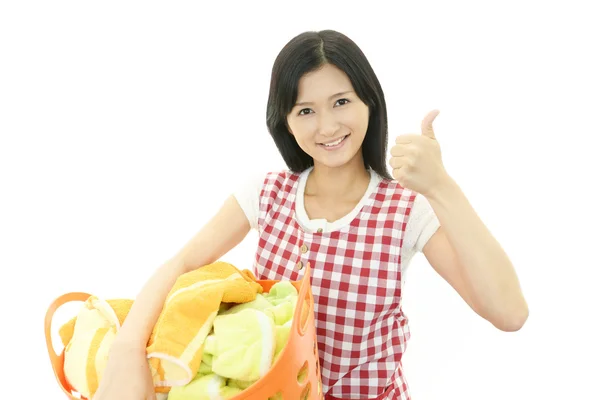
{"x":310,"y":51}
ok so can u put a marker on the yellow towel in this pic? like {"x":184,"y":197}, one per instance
{"x":175,"y":346}
{"x":87,"y":339}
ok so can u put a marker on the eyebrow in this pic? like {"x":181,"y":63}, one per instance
{"x":304,"y":103}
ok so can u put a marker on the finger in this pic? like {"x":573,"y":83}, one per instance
{"x":406,"y":139}
{"x":151,"y":393}
{"x":427,"y":124}
{"x":399,"y":151}
{"x":397,"y":172}
{"x":397,"y":162}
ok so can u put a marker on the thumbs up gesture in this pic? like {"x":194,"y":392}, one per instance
{"x":417,"y":160}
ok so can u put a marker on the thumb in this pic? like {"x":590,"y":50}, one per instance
{"x":427,"y":124}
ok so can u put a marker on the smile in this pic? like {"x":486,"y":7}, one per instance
{"x":335,"y":144}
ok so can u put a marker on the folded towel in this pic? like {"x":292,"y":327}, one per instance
{"x":245,"y":341}
{"x":206,"y":364}
{"x":244,"y":345}
{"x":175,"y":347}
{"x":248,"y":338}
{"x":205,"y":387}
{"x":282,"y":292}
{"x":282,"y":336}
{"x":87,"y":339}
{"x":176,"y":344}
{"x":260,"y":303}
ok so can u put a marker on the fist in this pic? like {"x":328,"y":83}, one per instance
{"x":416,"y":159}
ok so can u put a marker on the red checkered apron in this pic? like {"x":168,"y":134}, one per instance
{"x":356,"y":280}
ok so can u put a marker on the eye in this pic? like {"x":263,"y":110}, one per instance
{"x":342,"y":101}
{"x":304,"y":111}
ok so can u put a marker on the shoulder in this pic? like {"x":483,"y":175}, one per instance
{"x":391,"y":192}
{"x":281,"y":177}
{"x":279,"y":181}
{"x":258,"y":180}
{"x":418,"y":218}
{"x":264,"y":184}
{"x":252,"y":189}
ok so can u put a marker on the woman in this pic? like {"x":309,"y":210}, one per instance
{"x":338,"y":208}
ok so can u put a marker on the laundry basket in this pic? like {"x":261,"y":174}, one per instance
{"x":295,"y":375}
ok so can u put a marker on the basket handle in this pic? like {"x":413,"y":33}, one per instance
{"x":303,"y":295}
{"x":56,"y":304}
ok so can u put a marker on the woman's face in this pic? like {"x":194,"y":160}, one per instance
{"x":329,"y":121}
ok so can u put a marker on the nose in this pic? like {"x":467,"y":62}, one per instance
{"x":327,"y":124}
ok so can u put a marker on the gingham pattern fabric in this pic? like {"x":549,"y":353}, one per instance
{"x":356,"y":281}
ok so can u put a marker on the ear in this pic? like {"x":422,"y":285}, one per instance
{"x":288,"y":128}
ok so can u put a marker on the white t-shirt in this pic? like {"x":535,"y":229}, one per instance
{"x":422,"y":221}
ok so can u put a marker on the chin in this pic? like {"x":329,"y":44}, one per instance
{"x":335,"y":162}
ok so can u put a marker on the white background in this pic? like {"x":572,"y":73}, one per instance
{"x":124,"y":126}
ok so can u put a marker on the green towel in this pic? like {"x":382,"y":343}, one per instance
{"x":259,"y":303}
{"x":244,"y":345}
{"x":281,"y":292}
{"x":245,"y":341}
{"x":204,"y":387}
{"x":282,"y":335}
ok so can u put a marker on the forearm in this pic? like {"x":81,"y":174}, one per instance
{"x":486,"y":268}
{"x":146,"y":308}
{"x":148,"y":305}
{"x":222,"y":233}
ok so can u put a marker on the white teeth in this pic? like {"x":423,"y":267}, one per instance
{"x":334,"y":143}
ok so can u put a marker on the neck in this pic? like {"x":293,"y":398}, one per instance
{"x":348,"y":180}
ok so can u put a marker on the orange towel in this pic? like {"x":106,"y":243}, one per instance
{"x":175,"y":347}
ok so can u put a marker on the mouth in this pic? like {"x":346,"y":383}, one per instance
{"x":334,"y":144}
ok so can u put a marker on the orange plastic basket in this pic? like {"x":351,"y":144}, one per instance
{"x":295,"y":375}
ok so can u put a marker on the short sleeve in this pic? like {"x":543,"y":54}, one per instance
{"x":248,"y":197}
{"x":422,"y":224}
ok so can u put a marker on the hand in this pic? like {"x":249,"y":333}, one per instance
{"x":417,"y":160}
{"x":126,"y":376}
